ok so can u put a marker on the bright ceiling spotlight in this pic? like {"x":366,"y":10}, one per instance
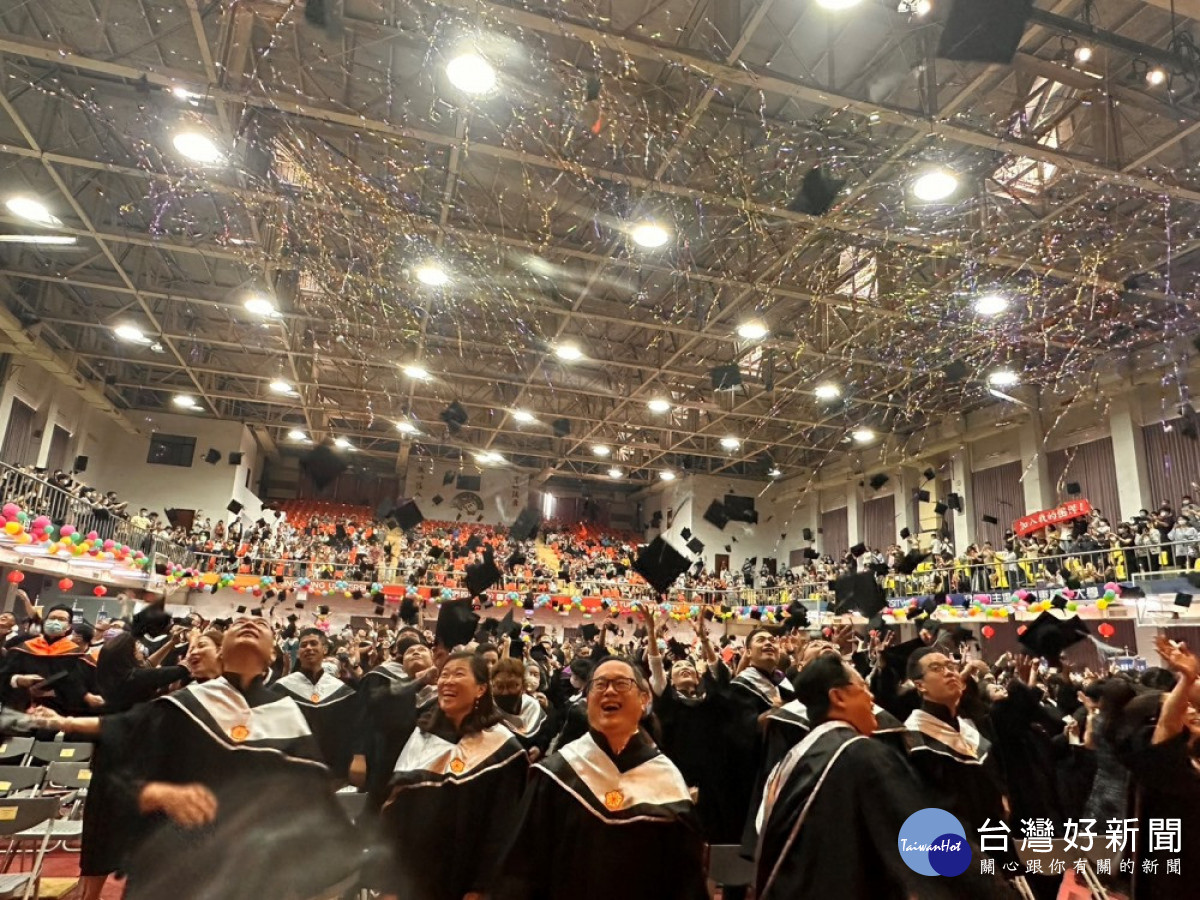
{"x":753,"y":330}
{"x":432,"y":275}
{"x":182,"y":93}
{"x":297,"y":435}
{"x":471,"y":73}
{"x":32,"y":210}
{"x":991,"y":304}
{"x":522,"y":416}
{"x":775,"y":472}
{"x":185,"y":401}
{"x":936,"y":184}
{"x":40,"y":240}
{"x":568,"y":352}
{"x":419,"y":373}
{"x":730,"y":443}
{"x":666,"y":475}
{"x":658,"y":405}
{"x":488,"y":456}
{"x":1003,"y":378}
{"x":827,"y":391}
{"x":260,"y":305}
{"x":650,"y":235}
{"x":1083,"y":54}
{"x":862,"y":435}
{"x":615,"y":473}
{"x":279,"y":386}
{"x":343,"y":444}
{"x":406,"y":427}
{"x":1156,"y":76}
{"x":131,"y":333}
{"x":198,"y":147}
{"x":601,"y":450}
{"x":838,"y":4}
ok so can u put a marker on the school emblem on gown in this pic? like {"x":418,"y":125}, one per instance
{"x":239,"y":733}
{"x":614,"y":799}
{"x":457,"y":766}
{"x":315,"y":698}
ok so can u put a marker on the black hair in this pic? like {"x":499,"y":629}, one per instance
{"x":308,"y":632}
{"x":70,"y":612}
{"x":1158,"y":678}
{"x":639,"y":677}
{"x":822,"y":675}
{"x":914,"y":671}
{"x":484,"y":714}
{"x":118,"y":657}
{"x":85,"y":631}
{"x":485,"y":648}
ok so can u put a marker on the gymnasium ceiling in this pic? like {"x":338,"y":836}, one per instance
{"x":349,"y":161}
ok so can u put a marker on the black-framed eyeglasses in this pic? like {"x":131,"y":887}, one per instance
{"x":941,"y":668}
{"x":620,"y":685}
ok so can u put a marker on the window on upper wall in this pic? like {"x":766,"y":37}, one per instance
{"x":171,"y":450}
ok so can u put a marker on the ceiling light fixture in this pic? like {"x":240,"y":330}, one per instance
{"x":40,"y":240}
{"x":753,"y":330}
{"x":260,"y":305}
{"x":471,"y":73}
{"x":406,"y":427}
{"x":432,"y":275}
{"x":198,"y":147}
{"x":991,"y":304}
{"x":1156,"y":76}
{"x":827,"y":391}
{"x":343,"y":444}
{"x":934,"y":185}
{"x":601,"y":450}
{"x":279,"y":386}
{"x":568,"y":352}
{"x":650,"y":235}
{"x":615,"y":473}
{"x":522,"y":416}
{"x":1083,"y":54}
{"x":131,"y":333}
{"x":32,"y":210}
{"x":730,"y":443}
{"x":666,"y":475}
{"x":419,"y":373}
{"x":1003,"y":378}
{"x":775,"y":472}
{"x":184,"y":401}
{"x":658,"y":405}
{"x":863,"y":435}
{"x":488,"y":456}
{"x":297,"y":435}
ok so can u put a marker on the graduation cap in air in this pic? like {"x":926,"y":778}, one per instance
{"x":474,"y":542}
{"x":435,"y":552}
{"x":323,"y":465}
{"x":525,"y":528}
{"x":717,"y":515}
{"x":991,"y":520}
{"x":517,"y":558}
{"x":660,"y":564}
{"x":279,"y":579}
{"x":924,"y":496}
{"x":685,"y":533}
{"x":438,"y":499}
{"x":1048,"y":636}
{"x":940,"y":508}
{"x":240,"y":610}
{"x":322,"y":610}
{"x":456,"y":624}
{"x":905,"y":534}
{"x":797,"y":617}
{"x":1183,"y":600}
{"x":292,"y":617}
{"x":482,"y":576}
{"x":897,"y":656}
{"x":695,"y":546}
{"x":299,"y":604}
{"x":811,"y":553}
{"x":908,"y":563}
{"x":408,"y":611}
{"x":379,"y":610}
{"x":858,"y":550}
{"x":455,"y":417}
{"x":508,"y":627}
{"x":407,"y":515}
{"x":817,"y":193}
{"x":858,"y":590}
{"x":1058,"y":601}
{"x":589,"y":631}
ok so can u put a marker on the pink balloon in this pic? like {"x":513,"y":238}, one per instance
{"x":67,"y":530}
{"x":92,"y":535}
{"x":11,"y":510}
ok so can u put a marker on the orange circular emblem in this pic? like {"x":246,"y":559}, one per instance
{"x":315,"y":698}
{"x":457,"y":766}
{"x":614,"y":799}
{"x":239,"y":733}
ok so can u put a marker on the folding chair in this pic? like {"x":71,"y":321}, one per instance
{"x":727,"y":867}
{"x":14,"y":750}
{"x":16,"y":817}
{"x":60,"y":751}
{"x":18,"y":781}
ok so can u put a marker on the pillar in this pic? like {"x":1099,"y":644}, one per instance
{"x":908,"y":482}
{"x":1035,"y":477}
{"x":854,"y":512}
{"x":960,"y":483}
{"x":1129,"y":457}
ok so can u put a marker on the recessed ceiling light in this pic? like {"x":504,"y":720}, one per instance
{"x":157,"y":347}
{"x":1156,"y":76}
{"x":659,"y":405}
{"x":432,"y":275}
{"x":615,"y":473}
{"x":131,"y":333}
{"x":569,"y":352}
{"x":182,"y":93}
{"x":297,"y":435}
{"x":198,"y":147}
{"x":185,"y":401}
{"x":775,"y":472}
{"x":666,"y":475}
{"x":279,"y":386}
{"x":863,"y":435}
{"x":838,"y":4}
{"x":471,"y":73}
{"x":406,"y":427}
{"x":991,"y":304}
{"x":489,"y":456}
{"x":649,"y":234}
{"x":827,"y":391}
{"x":40,"y":240}
{"x":523,"y":416}
{"x":1004,"y":378}
{"x":420,"y":373}
{"x":730,"y":443}
{"x":753,"y":331}
{"x":601,"y":450}
{"x":343,"y":444}
{"x":32,"y":210}
{"x":936,"y":184}
{"x":260,"y":305}
{"x":1083,"y":54}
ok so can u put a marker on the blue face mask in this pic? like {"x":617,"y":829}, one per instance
{"x":54,"y":628}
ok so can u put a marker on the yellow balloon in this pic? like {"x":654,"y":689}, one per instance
{"x":1101,"y":603}
{"x":13,"y":527}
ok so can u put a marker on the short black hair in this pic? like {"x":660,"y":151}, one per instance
{"x":307,"y":632}
{"x":914,"y":671}
{"x":815,"y":681}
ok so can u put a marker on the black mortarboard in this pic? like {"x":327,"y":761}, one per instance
{"x":729,"y":548}
{"x":929,"y":474}
{"x":379,"y":610}
{"x":991,"y":520}
{"x":455,"y":417}
{"x":858,"y":549}
{"x":299,"y":604}
{"x":323,"y":610}
{"x":482,"y":576}
{"x":716,"y":514}
{"x":516,"y":559}
{"x":257,"y":611}
{"x":897,"y":656}
{"x":905,"y":533}
{"x":908,"y":563}
{"x":408,"y":611}
{"x":525,"y":528}
{"x":817,"y":193}
{"x":1047,"y":635}
{"x":858,"y":590}
{"x":241,"y":610}
{"x":292,"y":617}
{"x":279,"y":579}
{"x":685,"y":533}
{"x":939,"y":508}
{"x":811,"y":553}
{"x":756,"y":614}
{"x":929,"y":605}
{"x":589,"y":631}
{"x":474,"y":542}
{"x":1184,"y":600}
{"x":456,"y":624}
{"x":508,"y":627}
{"x":1058,"y":601}
{"x":323,"y":465}
{"x":923,"y":495}
{"x":435,"y":552}
{"x":356,"y":594}
{"x":407,"y":515}
{"x":797,"y":617}
{"x":660,"y":564}
{"x":695,"y":546}
{"x":1132,"y":592}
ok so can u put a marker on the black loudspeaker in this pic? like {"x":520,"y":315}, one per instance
{"x":726,"y":378}
{"x":81,"y":463}
{"x":984,"y":30}
{"x":991,"y":520}
{"x":212,"y":457}
{"x":455,"y":417}
{"x":954,"y":501}
{"x":807,"y":534}
{"x":955,"y":372}
{"x":878,"y":481}
{"x":235,"y":459}
{"x":1074,"y":488}
{"x":561,"y":427}
{"x":234,"y":507}
{"x":322,"y":465}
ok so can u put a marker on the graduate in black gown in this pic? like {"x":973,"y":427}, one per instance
{"x":329,"y":704}
{"x":50,"y":670}
{"x":521,"y":714}
{"x":224,"y":784}
{"x":833,"y":809}
{"x":608,"y":815}
{"x":455,"y":791}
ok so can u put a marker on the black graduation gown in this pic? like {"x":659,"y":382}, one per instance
{"x":689,"y":725}
{"x":279,"y":834}
{"x":1166,"y":786}
{"x":595,"y":826}
{"x":749,"y":695}
{"x":452,"y":807}
{"x":390,"y":709}
{"x":530,"y":724}
{"x":332,"y":709}
{"x":65,"y":696}
{"x":832,"y":815}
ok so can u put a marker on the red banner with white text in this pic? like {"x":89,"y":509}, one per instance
{"x":1072,"y":509}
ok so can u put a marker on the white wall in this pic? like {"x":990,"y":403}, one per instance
{"x":503,"y":492}
{"x":54,"y":405}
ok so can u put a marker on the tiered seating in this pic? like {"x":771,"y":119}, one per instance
{"x":303,"y":510}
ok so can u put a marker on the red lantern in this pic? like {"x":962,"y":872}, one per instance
{"x":1021,"y":629}
{"x":1106,"y":630}
{"x":15,"y":577}
{"x":65,"y":584}
{"x":99,"y":590}
{"x":988,"y":631}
